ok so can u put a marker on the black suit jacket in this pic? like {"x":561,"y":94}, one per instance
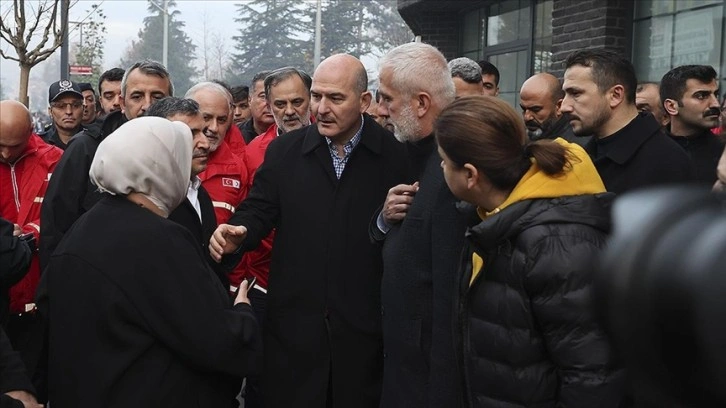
{"x":186,"y":215}
{"x":323,"y":303}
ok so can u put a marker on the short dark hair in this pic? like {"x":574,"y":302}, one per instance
{"x":260,"y":76}
{"x":170,"y":106}
{"x":281,"y":74}
{"x":487,"y":68}
{"x":240,"y":93}
{"x":673,"y":84}
{"x":608,"y":69}
{"x":148,"y":67}
{"x":112,"y":75}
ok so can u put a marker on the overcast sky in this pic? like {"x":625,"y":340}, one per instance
{"x":124,"y":19}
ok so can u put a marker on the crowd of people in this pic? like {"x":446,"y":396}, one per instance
{"x":420,"y":245}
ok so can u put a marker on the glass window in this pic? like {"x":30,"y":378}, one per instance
{"x":647,"y":8}
{"x":687,"y":37}
{"x":470,"y":36}
{"x":508,"y":21}
{"x":542,"y":61}
{"x":513,"y":71}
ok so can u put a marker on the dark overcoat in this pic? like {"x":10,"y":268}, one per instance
{"x":322,"y":333}
{"x":202,"y":231}
{"x":421,"y":259}
{"x":639,"y":155}
{"x":138,"y":319}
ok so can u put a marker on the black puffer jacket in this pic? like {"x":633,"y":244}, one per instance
{"x":527,"y":333}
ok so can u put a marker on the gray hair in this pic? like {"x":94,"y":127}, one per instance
{"x":211,"y":86}
{"x":420,"y":67}
{"x":148,"y":67}
{"x":281,"y":74}
{"x":260,"y":76}
{"x":465,"y":68}
{"x":170,"y":106}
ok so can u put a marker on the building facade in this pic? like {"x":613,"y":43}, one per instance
{"x":523,"y":37}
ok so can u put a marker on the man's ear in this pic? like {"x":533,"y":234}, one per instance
{"x":616,"y":95}
{"x":671,"y":107}
{"x":365,"y":101}
{"x":558,"y":105}
{"x":422,"y":104}
{"x":122,"y":103}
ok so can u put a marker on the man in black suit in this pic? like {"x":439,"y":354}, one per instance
{"x":196,"y":212}
{"x":319,"y":186}
{"x":422,"y":230}
{"x":629,"y":149}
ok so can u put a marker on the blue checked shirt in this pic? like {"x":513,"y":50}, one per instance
{"x":338,"y":163}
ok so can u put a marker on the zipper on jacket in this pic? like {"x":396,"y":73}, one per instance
{"x":14,"y":181}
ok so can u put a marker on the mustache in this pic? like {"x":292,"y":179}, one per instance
{"x":712,"y":112}
{"x":532,"y":123}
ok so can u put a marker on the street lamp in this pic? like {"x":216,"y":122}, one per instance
{"x":316,"y":56}
{"x":165,"y":10}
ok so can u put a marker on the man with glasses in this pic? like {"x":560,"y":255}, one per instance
{"x":66,"y":110}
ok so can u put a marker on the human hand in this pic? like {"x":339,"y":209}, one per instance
{"x":17,"y":230}
{"x":225,"y":240}
{"x":26,"y":398}
{"x":398,"y":201}
{"x":244,"y":287}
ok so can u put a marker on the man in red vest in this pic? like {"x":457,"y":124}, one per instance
{"x":26,"y":165}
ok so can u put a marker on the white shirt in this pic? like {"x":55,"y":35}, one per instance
{"x":193,"y":195}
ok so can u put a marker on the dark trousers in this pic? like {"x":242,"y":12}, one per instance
{"x":29,"y":337}
{"x":253,"y":388}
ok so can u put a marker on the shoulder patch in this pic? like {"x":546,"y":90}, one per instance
{"x":230,"y":182}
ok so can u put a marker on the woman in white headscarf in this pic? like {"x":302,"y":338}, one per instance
{"x":136,"y":316}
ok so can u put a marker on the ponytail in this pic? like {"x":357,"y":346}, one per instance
{"x":550,"y":156}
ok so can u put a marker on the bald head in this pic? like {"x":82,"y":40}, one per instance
{"x":545,"y":84}
{"x":16,"y":126}
{"x":350,"y":64}
{"x":540,"y":98}
{"x":338,"y":97}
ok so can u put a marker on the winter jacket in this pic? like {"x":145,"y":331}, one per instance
{"x":705,"y":150}
{"x":528,"y":337}
{"x":23,"y":185}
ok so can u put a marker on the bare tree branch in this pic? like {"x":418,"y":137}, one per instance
{"x":6,"y":56}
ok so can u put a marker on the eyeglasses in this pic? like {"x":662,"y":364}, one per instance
{"x":65,"y":105}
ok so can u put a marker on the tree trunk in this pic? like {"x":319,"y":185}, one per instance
{"x":24,"y":76}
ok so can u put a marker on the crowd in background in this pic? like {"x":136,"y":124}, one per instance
{"x":423,"y":245}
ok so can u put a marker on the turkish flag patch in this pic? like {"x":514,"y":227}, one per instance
{"x":228,"y":182}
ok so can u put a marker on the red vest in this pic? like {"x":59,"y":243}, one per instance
{"x":24,"y":183}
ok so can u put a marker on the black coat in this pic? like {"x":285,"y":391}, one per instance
{"x":137,"y":319}
{"x":639,"y":155}
{"x":15,"y":257}
{"x":529,"y":338}
{"x":13,"y":375}
{"x":704,"y":150}
{"x":187,"y":216}
{"x":70,"y":191}
{"x":420,"y":260}
{"x":323,"y":301}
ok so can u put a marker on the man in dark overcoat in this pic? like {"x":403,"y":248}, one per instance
{"x":319,"y":186}
{"x":422,"y":229}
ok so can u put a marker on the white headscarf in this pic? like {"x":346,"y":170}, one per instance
{"x":148,"y":155}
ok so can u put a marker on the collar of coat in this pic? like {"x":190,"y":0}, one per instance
{"x":371,"y":137}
